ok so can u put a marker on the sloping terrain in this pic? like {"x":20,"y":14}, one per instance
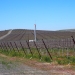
{"x":2,"y":33}
{"x":24,"y":34}
{"x":33,"y":67}
{"x":5,"y":34}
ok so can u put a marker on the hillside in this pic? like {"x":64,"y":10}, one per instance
{"x":67,"y":30}
{"x":25,"y":34}
{"x":3,"y":32}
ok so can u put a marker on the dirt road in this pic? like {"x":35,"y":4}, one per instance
{"x":19,"y":69}
{"x":11,"y":66}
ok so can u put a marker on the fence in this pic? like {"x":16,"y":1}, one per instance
{"x":51,"y":48}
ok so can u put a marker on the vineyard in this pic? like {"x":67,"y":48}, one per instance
{"x":50,"y":45}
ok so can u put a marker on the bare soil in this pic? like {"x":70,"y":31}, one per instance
{"x":22,"y":66}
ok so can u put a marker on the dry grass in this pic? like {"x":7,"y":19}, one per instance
{"x":52,"y":67}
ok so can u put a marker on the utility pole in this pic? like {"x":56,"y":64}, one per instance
{"x":35,"y":33}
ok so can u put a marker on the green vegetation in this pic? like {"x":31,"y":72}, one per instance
{"x":62,"y":57}
{"x":28,"y":55}
{"x":6,"y":63}
{"x":64,"y":60}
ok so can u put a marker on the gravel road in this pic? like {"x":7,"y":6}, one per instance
{"x":19,"y":69}
{"x":8,"y":67}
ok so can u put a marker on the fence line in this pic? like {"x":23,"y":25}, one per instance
{"x":50,"y":47}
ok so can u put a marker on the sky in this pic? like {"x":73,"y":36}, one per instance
{"x":46,"y":14}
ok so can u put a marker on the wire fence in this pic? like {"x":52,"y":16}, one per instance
{"x":52,"y":47}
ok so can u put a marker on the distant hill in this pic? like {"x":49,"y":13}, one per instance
{"x":67,"y":30}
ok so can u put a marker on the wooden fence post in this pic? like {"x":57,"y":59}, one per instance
{"x":37,"y":49}
{"x":8,"y":46}
{"x":29,"y":47}
{"x":74,"y":43}
{"x":1,"y":47}
{"x":46,"y":48}
{"x":12,"y":46}
{"x":16,"y":46}
{"x":73,"y":39}
{"x":5,"y":46}
{"x":23,"y":48}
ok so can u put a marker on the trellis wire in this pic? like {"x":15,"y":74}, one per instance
{"x":60,"y":45}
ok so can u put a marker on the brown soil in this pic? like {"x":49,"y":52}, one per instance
{"x":53,"y":67}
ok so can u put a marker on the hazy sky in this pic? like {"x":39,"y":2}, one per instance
{"x":47,"y":14}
